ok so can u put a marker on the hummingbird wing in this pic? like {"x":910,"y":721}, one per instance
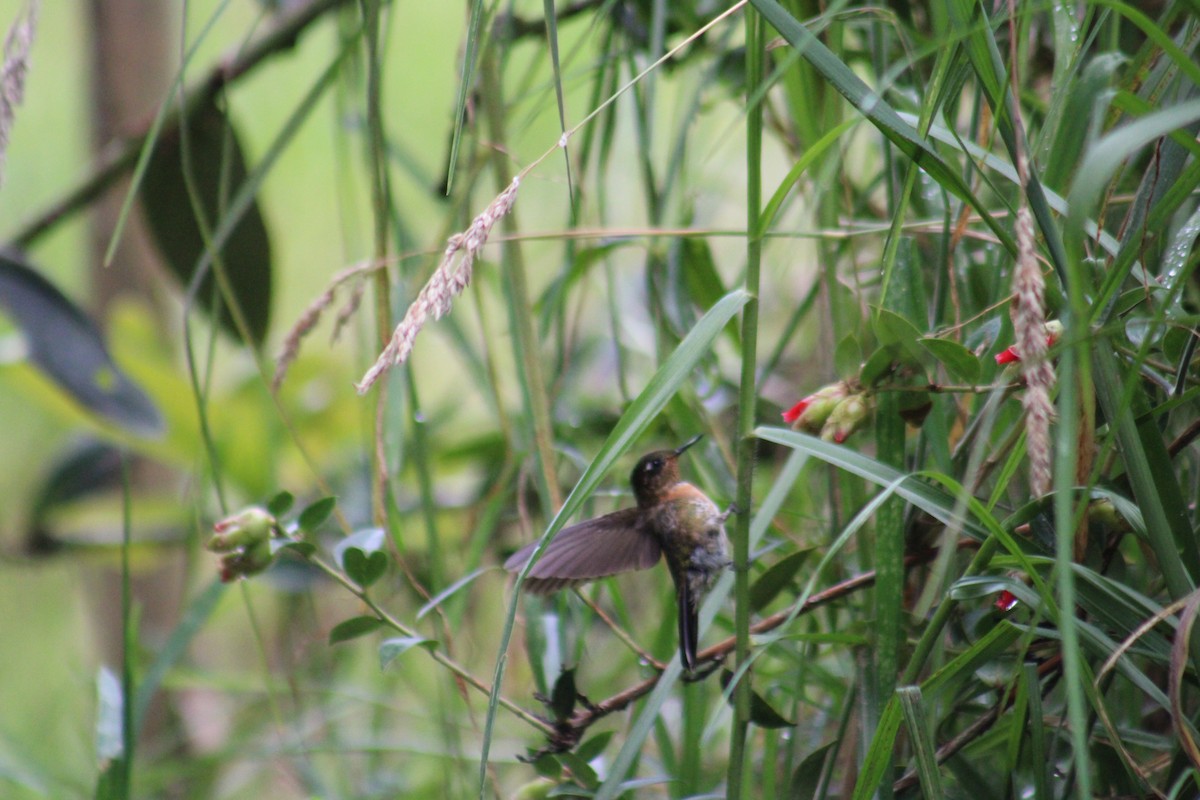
{"x":596,"y":548}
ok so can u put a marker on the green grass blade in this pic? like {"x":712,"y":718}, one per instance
{"x":674,"y":372}
{"x":877,"y":110}
{"x":915,"y":718}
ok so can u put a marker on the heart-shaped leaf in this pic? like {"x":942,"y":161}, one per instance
{"x":364,"y":568}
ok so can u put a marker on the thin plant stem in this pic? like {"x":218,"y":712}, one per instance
{"x":747,"y":403}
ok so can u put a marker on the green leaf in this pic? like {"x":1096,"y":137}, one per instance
{"x":931,"y":499}
{"x":878,"y":760}
{"x":281,"y":503}
{"x":316,"y":513}
{"x":848,"y":356}
{"x":958,"y":360}
{"x":581,"y":771}
{"x":69,"y":349}
{"x":899,"y":334}
{"x":214,"y":169}
{"x":876,"y":109}
{"x":564,"y":695}
{"x":391,"y":649}
{"x":704,"y":283}
{"x":548,"y":766}
{"x":354,"y":628}
{"x":919,"y":734}
{"x":878,"y":366}
{"x":298,"y":546}
{"x":779,"y":576}
{"x":806,"y":778}
{"x":594,"y":746}
{"x":364,"y":568}
{"x":761,"y":712}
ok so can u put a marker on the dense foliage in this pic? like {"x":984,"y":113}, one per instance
{"x":922,"y":275}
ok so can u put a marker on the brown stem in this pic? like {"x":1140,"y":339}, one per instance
{"x":571,"y":731}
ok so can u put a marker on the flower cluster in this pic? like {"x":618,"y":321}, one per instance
{"x":834,"y":411}
{"x":244,"y":540}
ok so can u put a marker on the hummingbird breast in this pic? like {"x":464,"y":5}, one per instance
{"x":691,"y":531}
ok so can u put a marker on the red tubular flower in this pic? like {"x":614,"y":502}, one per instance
{"x":1054,"y":329}
{"x":1006,"y":601}
{"x":793,"y":413}
{"x":1008,"y":356}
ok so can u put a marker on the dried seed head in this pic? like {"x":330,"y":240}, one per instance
{"x":449,"y":280}
{"x":12,"y":74}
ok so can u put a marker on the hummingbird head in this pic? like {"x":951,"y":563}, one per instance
{"x":657,"y":472}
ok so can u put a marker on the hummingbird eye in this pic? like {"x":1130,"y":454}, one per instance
{"x":654,"y":465}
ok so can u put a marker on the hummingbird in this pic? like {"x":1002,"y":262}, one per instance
{"x":672,"y":518}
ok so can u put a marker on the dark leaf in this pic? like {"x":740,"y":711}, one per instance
{"x":316,"y":513}
{"x":548,"y":766}
{"x":778,"y":577}
{"x":364,"y":568}
{"x":594,"y":746}
{"x":216,"y":168}
{"x":65,"y":345}
{"x":806,"y":778}
{"x":564,"y":695}
{"x":581,"y":772}
{"x":761,"y":712}
{"x":354,"y":628}
{"x":281,"y":503}
{"x":86,"y":468}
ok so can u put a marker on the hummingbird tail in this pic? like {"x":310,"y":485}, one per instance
{"x":689,"y":627}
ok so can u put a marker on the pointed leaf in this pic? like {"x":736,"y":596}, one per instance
{"x":564,"y":695}
{"x":391,"y":649}
{"x":761,"y":712}
{"x":581,"y":772}
{"x":316,"y":513}
{"x":806,"y":778}
{"x":594,"y":746}
{"x":354,"y":628}
{"x":215,"y":169}
{"x":778,"y":577}
{"x":958,"y":360}
{"x":68,"y":348}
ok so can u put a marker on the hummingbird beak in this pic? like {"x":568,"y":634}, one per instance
{"x":680,"y":450}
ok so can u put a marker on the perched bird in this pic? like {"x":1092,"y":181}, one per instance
{"x":672,"y":518}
